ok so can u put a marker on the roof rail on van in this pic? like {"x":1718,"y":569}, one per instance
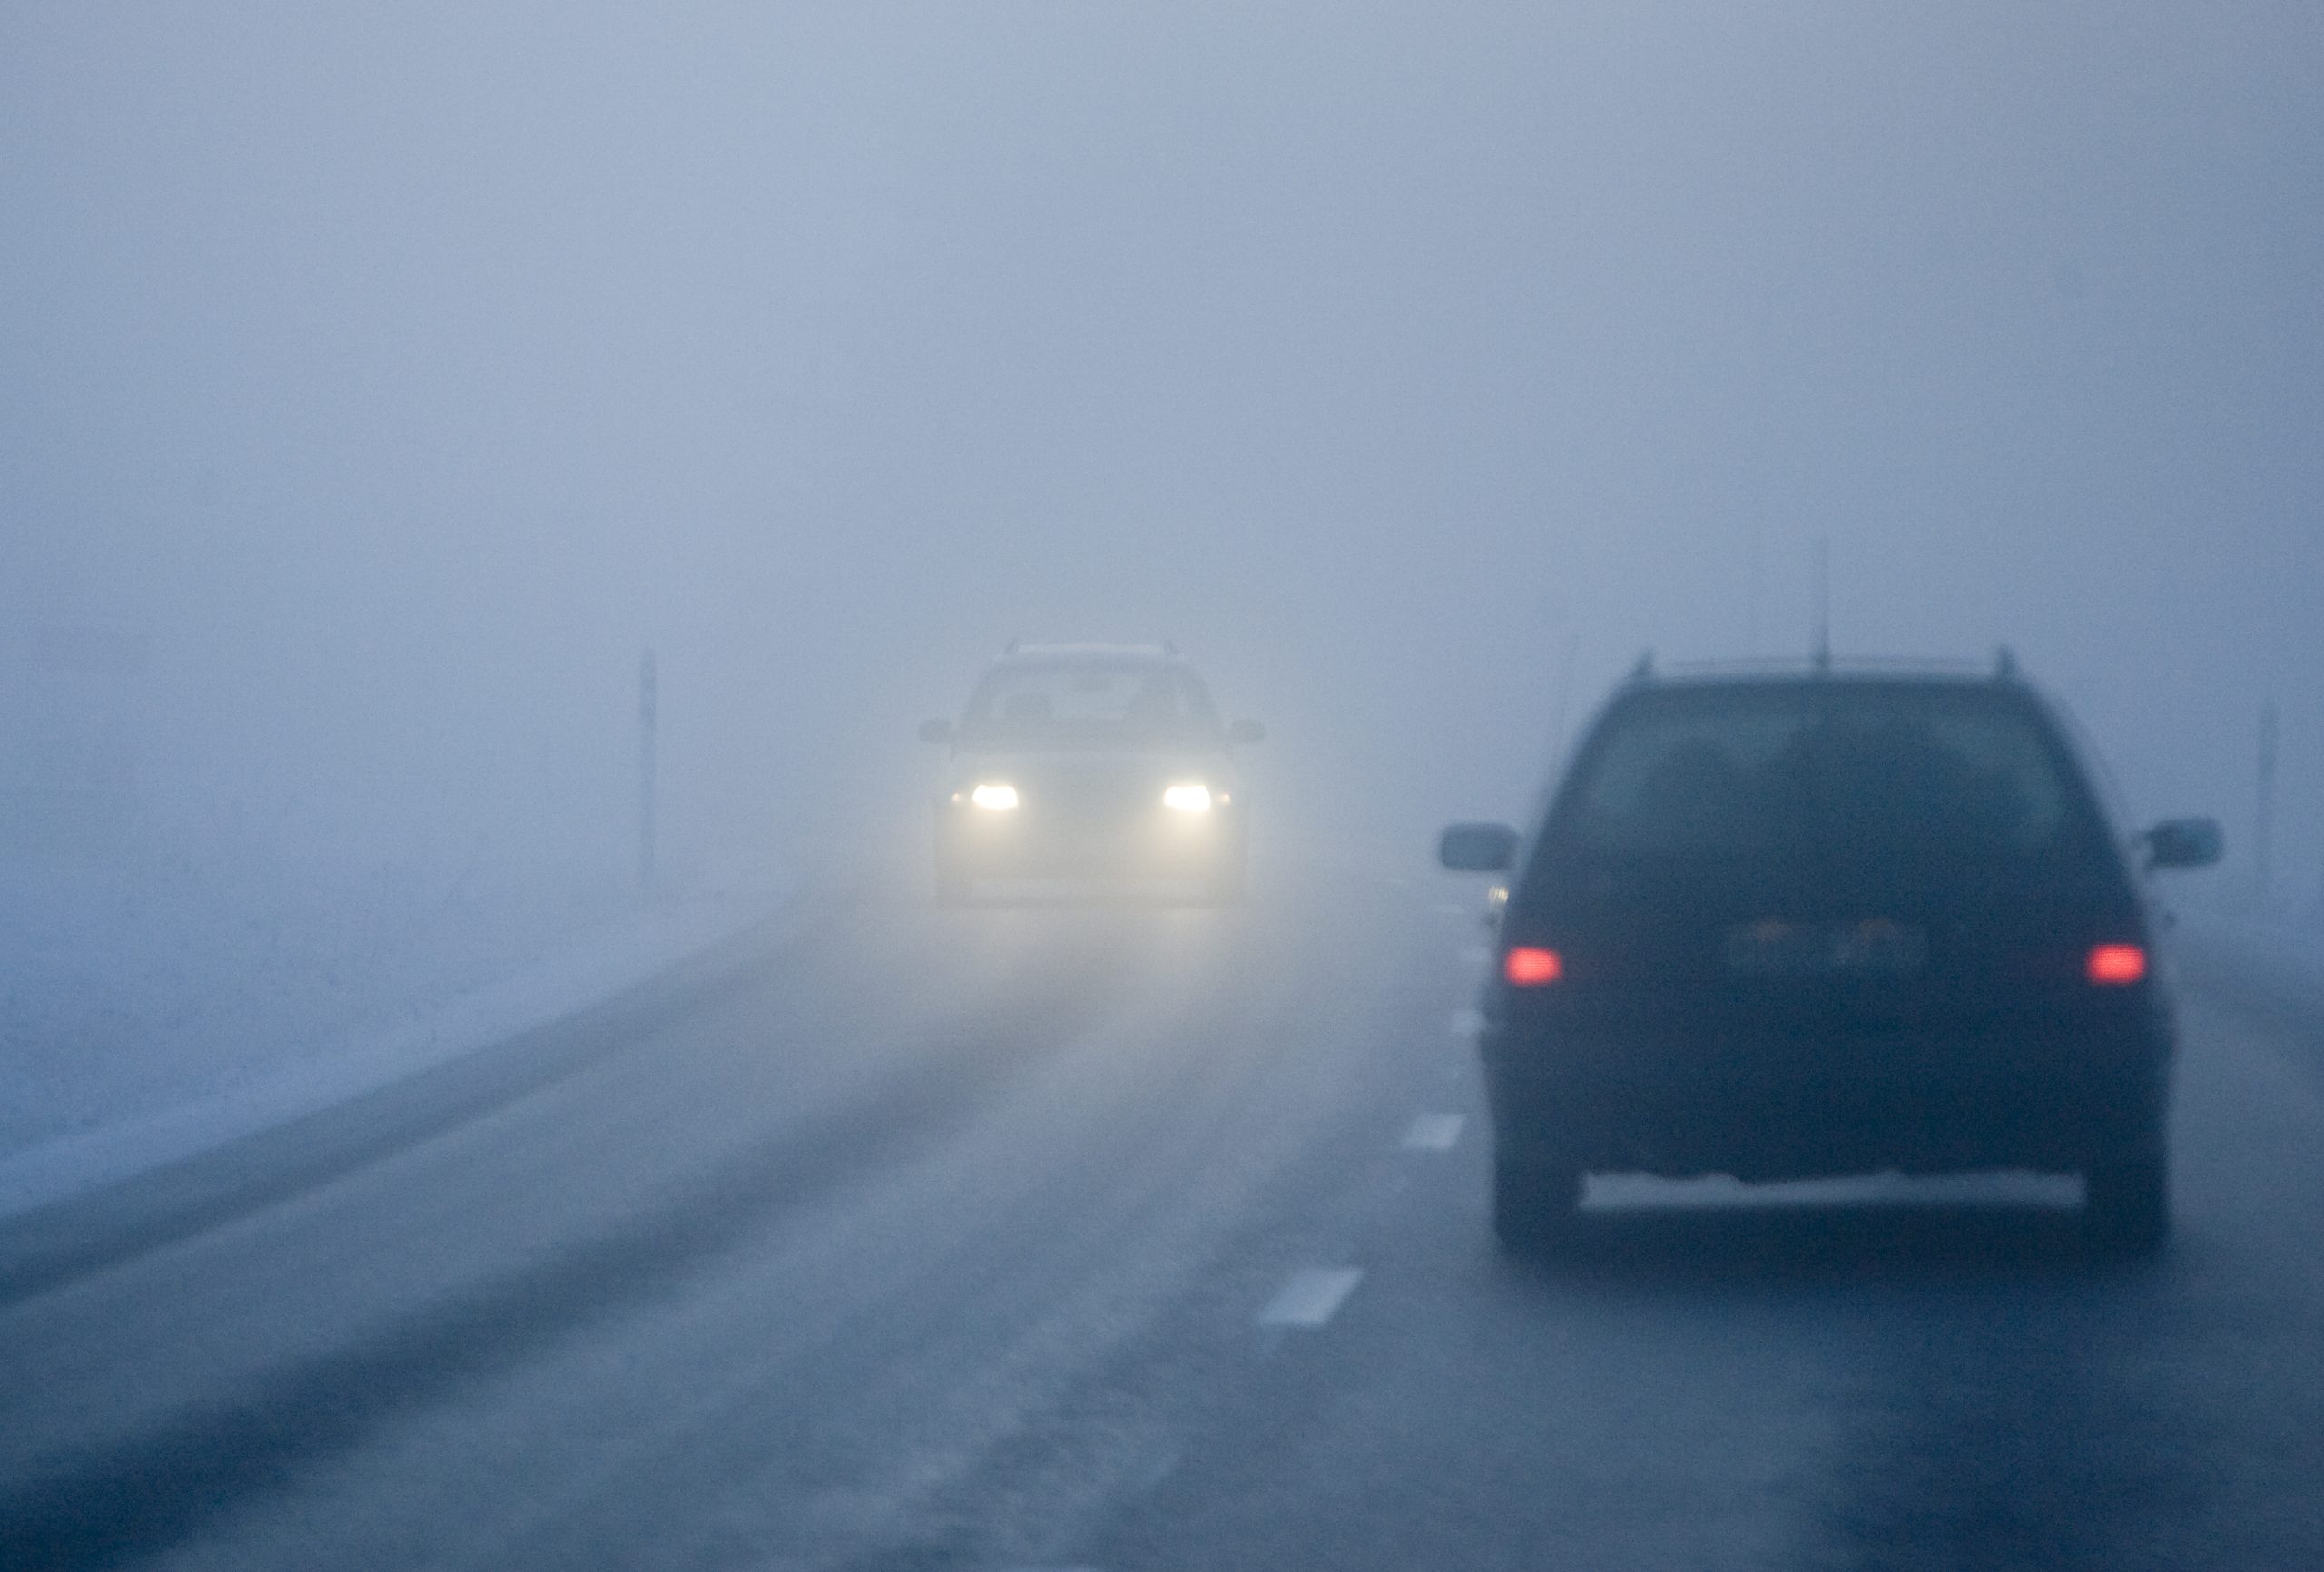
{"x":1839,"y":666}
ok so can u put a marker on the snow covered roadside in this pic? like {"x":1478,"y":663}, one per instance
{"x":131,"y":1039}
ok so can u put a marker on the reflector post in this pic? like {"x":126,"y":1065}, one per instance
{"x":1528,"y":966}
{"x":2115,"y":965}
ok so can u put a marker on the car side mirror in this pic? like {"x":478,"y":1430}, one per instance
{"x":1246,"y":731}
{"x":2184,"y":843}
{"x":1477,"y":848}
{"x":936,"y":730}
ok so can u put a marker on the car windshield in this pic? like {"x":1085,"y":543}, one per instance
{"x":1913,"y":771}
{"x":1088,"y":703}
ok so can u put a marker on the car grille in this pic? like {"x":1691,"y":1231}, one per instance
{"x":1092,"y":798}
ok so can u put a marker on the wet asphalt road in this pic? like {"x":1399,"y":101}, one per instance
{"x":1139,"y":1238}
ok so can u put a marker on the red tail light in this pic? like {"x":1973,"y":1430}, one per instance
{"x":2115,"y":965}
{"x":1527,"y":967}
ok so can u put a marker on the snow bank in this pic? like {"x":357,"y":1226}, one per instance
{"x":149,"y":1012}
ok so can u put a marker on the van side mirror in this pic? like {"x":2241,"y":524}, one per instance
{"x":2184,"y":843}
{"x":936,"y":730}
{"x":1477,"y":848}
{"x":1245,"y":731}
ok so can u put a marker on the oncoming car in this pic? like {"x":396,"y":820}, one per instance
{"x":1081,"y":763}
{"x":1821,"y":923}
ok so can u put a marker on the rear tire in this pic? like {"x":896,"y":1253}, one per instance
{"x":1534,"y":1205}
{"x":2126,"y":1206}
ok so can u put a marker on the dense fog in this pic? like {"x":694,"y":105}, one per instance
{"x":382,"y":381}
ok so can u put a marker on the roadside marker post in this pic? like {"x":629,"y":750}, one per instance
{"x":2263,"y":817}
{"x":648,"y":704}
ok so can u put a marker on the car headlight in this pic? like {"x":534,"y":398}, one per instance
{"x":1186,"y":799}
{"x":991,"y":794}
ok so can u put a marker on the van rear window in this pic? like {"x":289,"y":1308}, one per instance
{"x":1910,"y":770}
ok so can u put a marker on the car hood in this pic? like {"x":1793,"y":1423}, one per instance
{"x":1084,"y":763}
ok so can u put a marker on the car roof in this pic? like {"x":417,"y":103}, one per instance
{"x":1112,"y":654}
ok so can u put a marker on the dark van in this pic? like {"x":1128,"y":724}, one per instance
{"x":1821,"y":923}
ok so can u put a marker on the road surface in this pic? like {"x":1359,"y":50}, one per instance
{"x":1137,"y":1239}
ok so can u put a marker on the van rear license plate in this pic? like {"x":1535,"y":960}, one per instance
{"x":1877,"y":946}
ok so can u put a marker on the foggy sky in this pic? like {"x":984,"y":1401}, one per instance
{"x":396,"y":373}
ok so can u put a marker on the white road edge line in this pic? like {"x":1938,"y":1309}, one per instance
{"x":1433,"y":1133}
{"x":1311,"y":1297}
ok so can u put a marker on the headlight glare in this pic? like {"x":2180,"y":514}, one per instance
{"x":992,"y":794}
{"x":1186,"y":799}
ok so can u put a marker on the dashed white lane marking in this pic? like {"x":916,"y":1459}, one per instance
{"x":1311,"y":1297}
{"x":1433,"y":1133}
{"x":1468,"y":1023}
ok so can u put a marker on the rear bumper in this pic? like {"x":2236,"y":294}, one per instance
{"x":1803,"y":1104}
